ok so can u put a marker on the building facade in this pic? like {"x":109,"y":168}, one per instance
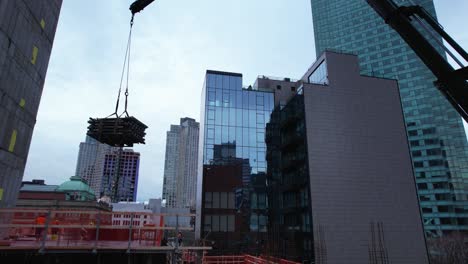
{"x":98,"y":165}
{"x":27,"y":31}
{"x":134,"y":213}
{"x":340,"y":179}
{"x":180,"y":166}
{"x":90,"y":163}
{"x":231,"y":194}
{"x":435,"y":131}
{"x":120,"y":175}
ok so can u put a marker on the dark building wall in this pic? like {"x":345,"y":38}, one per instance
{"x":27,"y":30}
{"x":213,"y":184}
{"x":290,"y":230}
{"x":363,"y":194}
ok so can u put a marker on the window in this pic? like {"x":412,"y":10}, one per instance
{"x":416,"y":153}
{"x":414,"y":143}
{"x":422,"y":186}
{"x":419,"y":164}
{"x":215,"y":223}
{"x":223,"y":200}
{"x":427,"y":210}
{"x":431,"y":141}
{"x":231,"y":223}
{"x":413,"y":132}
{"x":215,"y":200}
{"x":433,"y":152}
{"x":434,"y":163}
{"x":293,"y":88}
{"x":253,"y":222}
{"x":207,"y":223}
{"x":223,"y":223}
{"x":319,"y":75}
{"x":262,"y":223}
{"x":429,"y":131}
{"x":231,"y":201}
{"x":208,"y":200}
{"x":278,"y":87}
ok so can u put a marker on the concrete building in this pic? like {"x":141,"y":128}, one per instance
{"x":180,"y":166}
{"x":27,"y":31}
{"x":90,"y":163}
{"x":340,"y":179}
{"x":439,"y":148}
{"x":142,"y":214}
{"x":120,"y":172}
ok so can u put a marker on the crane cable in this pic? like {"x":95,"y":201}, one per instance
{"x":126,"y":65}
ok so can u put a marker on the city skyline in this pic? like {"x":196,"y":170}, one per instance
{"x":72,"y":90}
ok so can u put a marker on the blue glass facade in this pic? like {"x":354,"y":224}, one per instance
{"x":435,"y":131}
{"x":236,"y":115}
{"x":232,"y":134}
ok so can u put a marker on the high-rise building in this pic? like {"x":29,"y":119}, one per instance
{"x":340,"y":180}
{"x":231,"y":208}
{"x":97,"y":164}
{"x":120,"y":175}
{"x":27,"y":31}
{"x":435,"y":131}
{"x":90,"y":163}
{"x":180,"y":166}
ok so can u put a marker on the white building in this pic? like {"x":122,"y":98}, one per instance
{"x":180,"y":168}
{"x":140,"y":213}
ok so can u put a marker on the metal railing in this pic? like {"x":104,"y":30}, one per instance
{"x":62,"y":230}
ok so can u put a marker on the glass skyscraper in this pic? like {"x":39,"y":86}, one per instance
{"x":435,"y":131}
{"x":231,"y":206}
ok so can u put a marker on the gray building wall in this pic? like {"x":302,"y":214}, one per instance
{"x":361,"y":180}
{"x":27,"y":31}
{"x":170,"y":166}
{"x":435,"y":130}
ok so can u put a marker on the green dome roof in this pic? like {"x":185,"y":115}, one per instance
{"x":77,"y":185}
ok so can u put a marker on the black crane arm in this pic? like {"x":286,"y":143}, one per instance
{"x":452,"y":83}
{"x":139,"y":5}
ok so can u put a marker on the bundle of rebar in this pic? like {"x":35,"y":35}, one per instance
{"x":117,"y":132}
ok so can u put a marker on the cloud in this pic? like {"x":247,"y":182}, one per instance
{"x":174,"y":43}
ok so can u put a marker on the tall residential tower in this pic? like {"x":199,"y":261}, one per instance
{"x":98,"y":164}
{"x":90,"y":163}
{"x":180,"y":167}
{"x":435,"y":131}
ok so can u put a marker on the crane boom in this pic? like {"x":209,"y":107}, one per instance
{"x":452,"y":83}
{"x":139,"y":5}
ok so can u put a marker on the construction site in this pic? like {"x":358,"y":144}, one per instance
{"x":284,"y":171}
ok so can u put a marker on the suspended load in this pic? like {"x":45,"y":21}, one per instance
{"x":121,"y":130}
{"x":117,"y":132}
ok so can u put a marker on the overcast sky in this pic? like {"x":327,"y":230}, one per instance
{"x":174,"y":43}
